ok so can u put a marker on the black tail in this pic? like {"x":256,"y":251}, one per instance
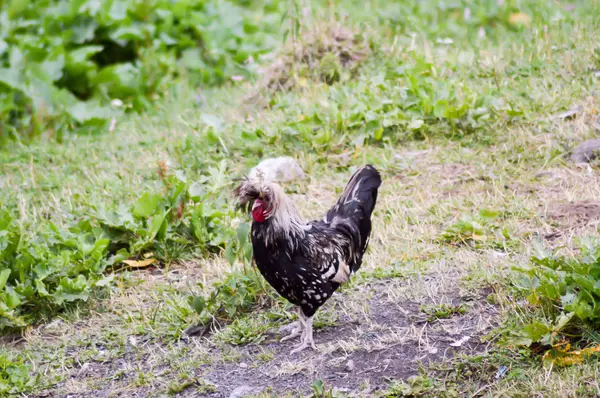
{"x":360,"y":195}
{"x":352,"y":212}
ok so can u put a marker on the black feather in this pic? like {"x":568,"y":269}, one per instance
{"x":307,"y":265}
{"x":352,"y":213}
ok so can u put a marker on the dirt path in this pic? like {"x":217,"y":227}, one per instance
{"x":374,"y":331}
{"x":384,"y":337}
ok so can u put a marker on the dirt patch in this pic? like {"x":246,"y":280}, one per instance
{"x":453,"y":177}
{"x":575,"y":214}
{"x":517,"y":188}
{"x":390,"y":341}
{"x":455,"y":172}
{"x":377,"y":337}
{"x":569,"y":219}
{"x":390,"y":353}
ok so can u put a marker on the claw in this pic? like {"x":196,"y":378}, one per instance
{"x":307,"y":335}
{"x":290,"y":326}
{"x":295,"y":333}
{"x":301,"y":347}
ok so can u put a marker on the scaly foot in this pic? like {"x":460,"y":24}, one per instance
{"x":307,"y":335}
{"x":296,"y":330}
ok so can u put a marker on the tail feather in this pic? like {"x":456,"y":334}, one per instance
{"x":352,"y":213}
{"x":360,"y":195}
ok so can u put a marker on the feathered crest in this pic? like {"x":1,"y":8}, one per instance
{"x":284,"y":218}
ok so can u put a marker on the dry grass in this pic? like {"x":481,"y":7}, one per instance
{"x":424,"y":191}
{"x":422,"y":194}
{"x":131,"y":343}
{"x":324,"y":51}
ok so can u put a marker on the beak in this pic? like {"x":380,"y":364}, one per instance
{"x":257,"y":203}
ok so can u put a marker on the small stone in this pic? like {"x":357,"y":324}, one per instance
{"x":570,"y":113}
{"x":461,"y":341}
{"x":586,"y":151}
{"x":133,"y":341}
{"x":243,"y":391}
{"x":350,"y":365}
{"x":243,"y":365}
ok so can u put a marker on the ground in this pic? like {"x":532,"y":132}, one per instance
{"x":464,"y":201}
{"x":374,"y":331}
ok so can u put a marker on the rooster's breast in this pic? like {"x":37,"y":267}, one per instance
{"x":293,"y":277}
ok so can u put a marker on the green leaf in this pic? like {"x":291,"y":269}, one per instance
{"x":105,"y":281}
{"x":41,"y":288}
{"x":583,"y":310}
{"x":415,"y":124}
{"x":54,"y":66}
{"x":191,"y":58}
{"x":563,"y":320}
{"x":119,"y":81}
{"x":212,"y":121}
{"x":242,"y":232}
{"x":168,"y":40}
{"x":88,"y":111}
{"x":82,"y":54}
{"x":198,"y":303}
{"x":146,"y":205}
{"x":118,"y":11}
{"x":440,"y":109}
{"x":11,"y":298}
{"x":4,"y":274}
{"x":230,"y":254}
{"x":3,"y":46}
{"x":248,"y":251}
{"x":535,"y":331}
{"x":196,"y":191}
{"x":12,"y":78}
{"x":489,"y":214}
{"x":156,"y":224}
{"x":126,"y":33}
{"x":378,"y":134}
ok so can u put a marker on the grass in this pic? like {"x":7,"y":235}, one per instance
{"x":472,"y":163}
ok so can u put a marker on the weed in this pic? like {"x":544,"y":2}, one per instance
{"x":321,"y":391}
{"x":442,"y":311}
{"x":244,"y":331}
{"x":102,"y":239}
{"x":92,"y":53}
{"x":15,"y":377}
{"x":325,"y":319}
{"x":185,"y":382}
{"x":265,"y":356}
{"x":478,"y":231}
{"x":65,"y":265}
{"x":327,"y":52}
{"x":565,"y":291}
{"x":419,"y":386}
{"x":236,"y":294}
{"x":397,"y":270}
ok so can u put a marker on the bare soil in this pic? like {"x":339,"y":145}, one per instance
{"x":359,"y":354}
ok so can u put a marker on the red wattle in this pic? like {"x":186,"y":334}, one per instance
{"x":258,"y":212}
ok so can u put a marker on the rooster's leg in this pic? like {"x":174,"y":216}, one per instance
{"x":307,"y":334}
{"x":295,"y":327}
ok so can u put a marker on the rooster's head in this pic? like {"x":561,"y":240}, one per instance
{"x":260,"y":198}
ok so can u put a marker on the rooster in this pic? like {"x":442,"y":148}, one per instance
{"x":305,"y":262}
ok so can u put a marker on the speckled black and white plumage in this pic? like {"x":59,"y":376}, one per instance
{"x":307,"y":261}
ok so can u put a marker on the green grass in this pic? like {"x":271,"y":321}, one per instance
{"x":461,"y":129}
